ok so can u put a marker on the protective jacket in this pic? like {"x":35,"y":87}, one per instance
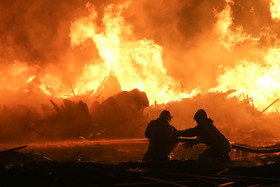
{"x":207,"y":133}
{"x":162,"y":139}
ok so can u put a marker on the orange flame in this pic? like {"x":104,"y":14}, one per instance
{"x":136,"y":63}
{"x":275,"y":10}
{"x":16,"y":75}
{"x":229,"y":36}
{"x":259,"y":79}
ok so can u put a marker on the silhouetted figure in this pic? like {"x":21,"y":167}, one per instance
{"x":207,"y":133}
{"x":162,"y":138}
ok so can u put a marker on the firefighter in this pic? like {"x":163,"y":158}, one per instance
{"x":162,"y":138}
{"x":205,"y":131}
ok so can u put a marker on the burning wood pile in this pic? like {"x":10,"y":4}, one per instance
{"x":120,"y":115}
{"x":126,"y":115}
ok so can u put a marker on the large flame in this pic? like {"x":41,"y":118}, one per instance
{"x":259,"y":78}
{"x":229,"y":36}
{"x":137,"y":63}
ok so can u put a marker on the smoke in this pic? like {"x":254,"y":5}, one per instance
{"x":30,"y":30}
{"x":192,"y":52}
{"x":253,"y":16}
{"x":36,"y":34}
{"x":183,"y":29}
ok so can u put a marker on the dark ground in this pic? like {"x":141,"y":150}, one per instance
{"x":81,"y":165}
{"x":174,"y":173}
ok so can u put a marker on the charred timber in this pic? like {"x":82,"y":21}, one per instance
{"x":14,"y":149}
{"x":55,"y":106}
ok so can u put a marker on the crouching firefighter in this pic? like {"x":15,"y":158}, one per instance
{"x":162,"y":136}
{"x":206,"y":133}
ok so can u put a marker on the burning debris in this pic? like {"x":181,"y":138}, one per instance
{"x":126,"y":114}
{"x":69,"y":120}
{"x":122,"y":114}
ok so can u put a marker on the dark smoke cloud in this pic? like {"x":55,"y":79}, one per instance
{"x":255,"y":19}
{"x":29,"y":30}
{"x":196,"y":17}
{"x":37,"y":32}
{"x":185,"y":31}
{"x":165,"y":20}
{"x":253,"y":16}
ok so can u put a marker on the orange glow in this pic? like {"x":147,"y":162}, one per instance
{"x":275,"y":10}
{"x":31,"y":79}
{"x":16,"y":75}
{"x":136,"y":63}
{"x":228,"y":36}
{"x":260,"y":80}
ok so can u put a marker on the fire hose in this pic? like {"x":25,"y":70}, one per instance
{"x":247,"y":148}
{"x":262,"y":149}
